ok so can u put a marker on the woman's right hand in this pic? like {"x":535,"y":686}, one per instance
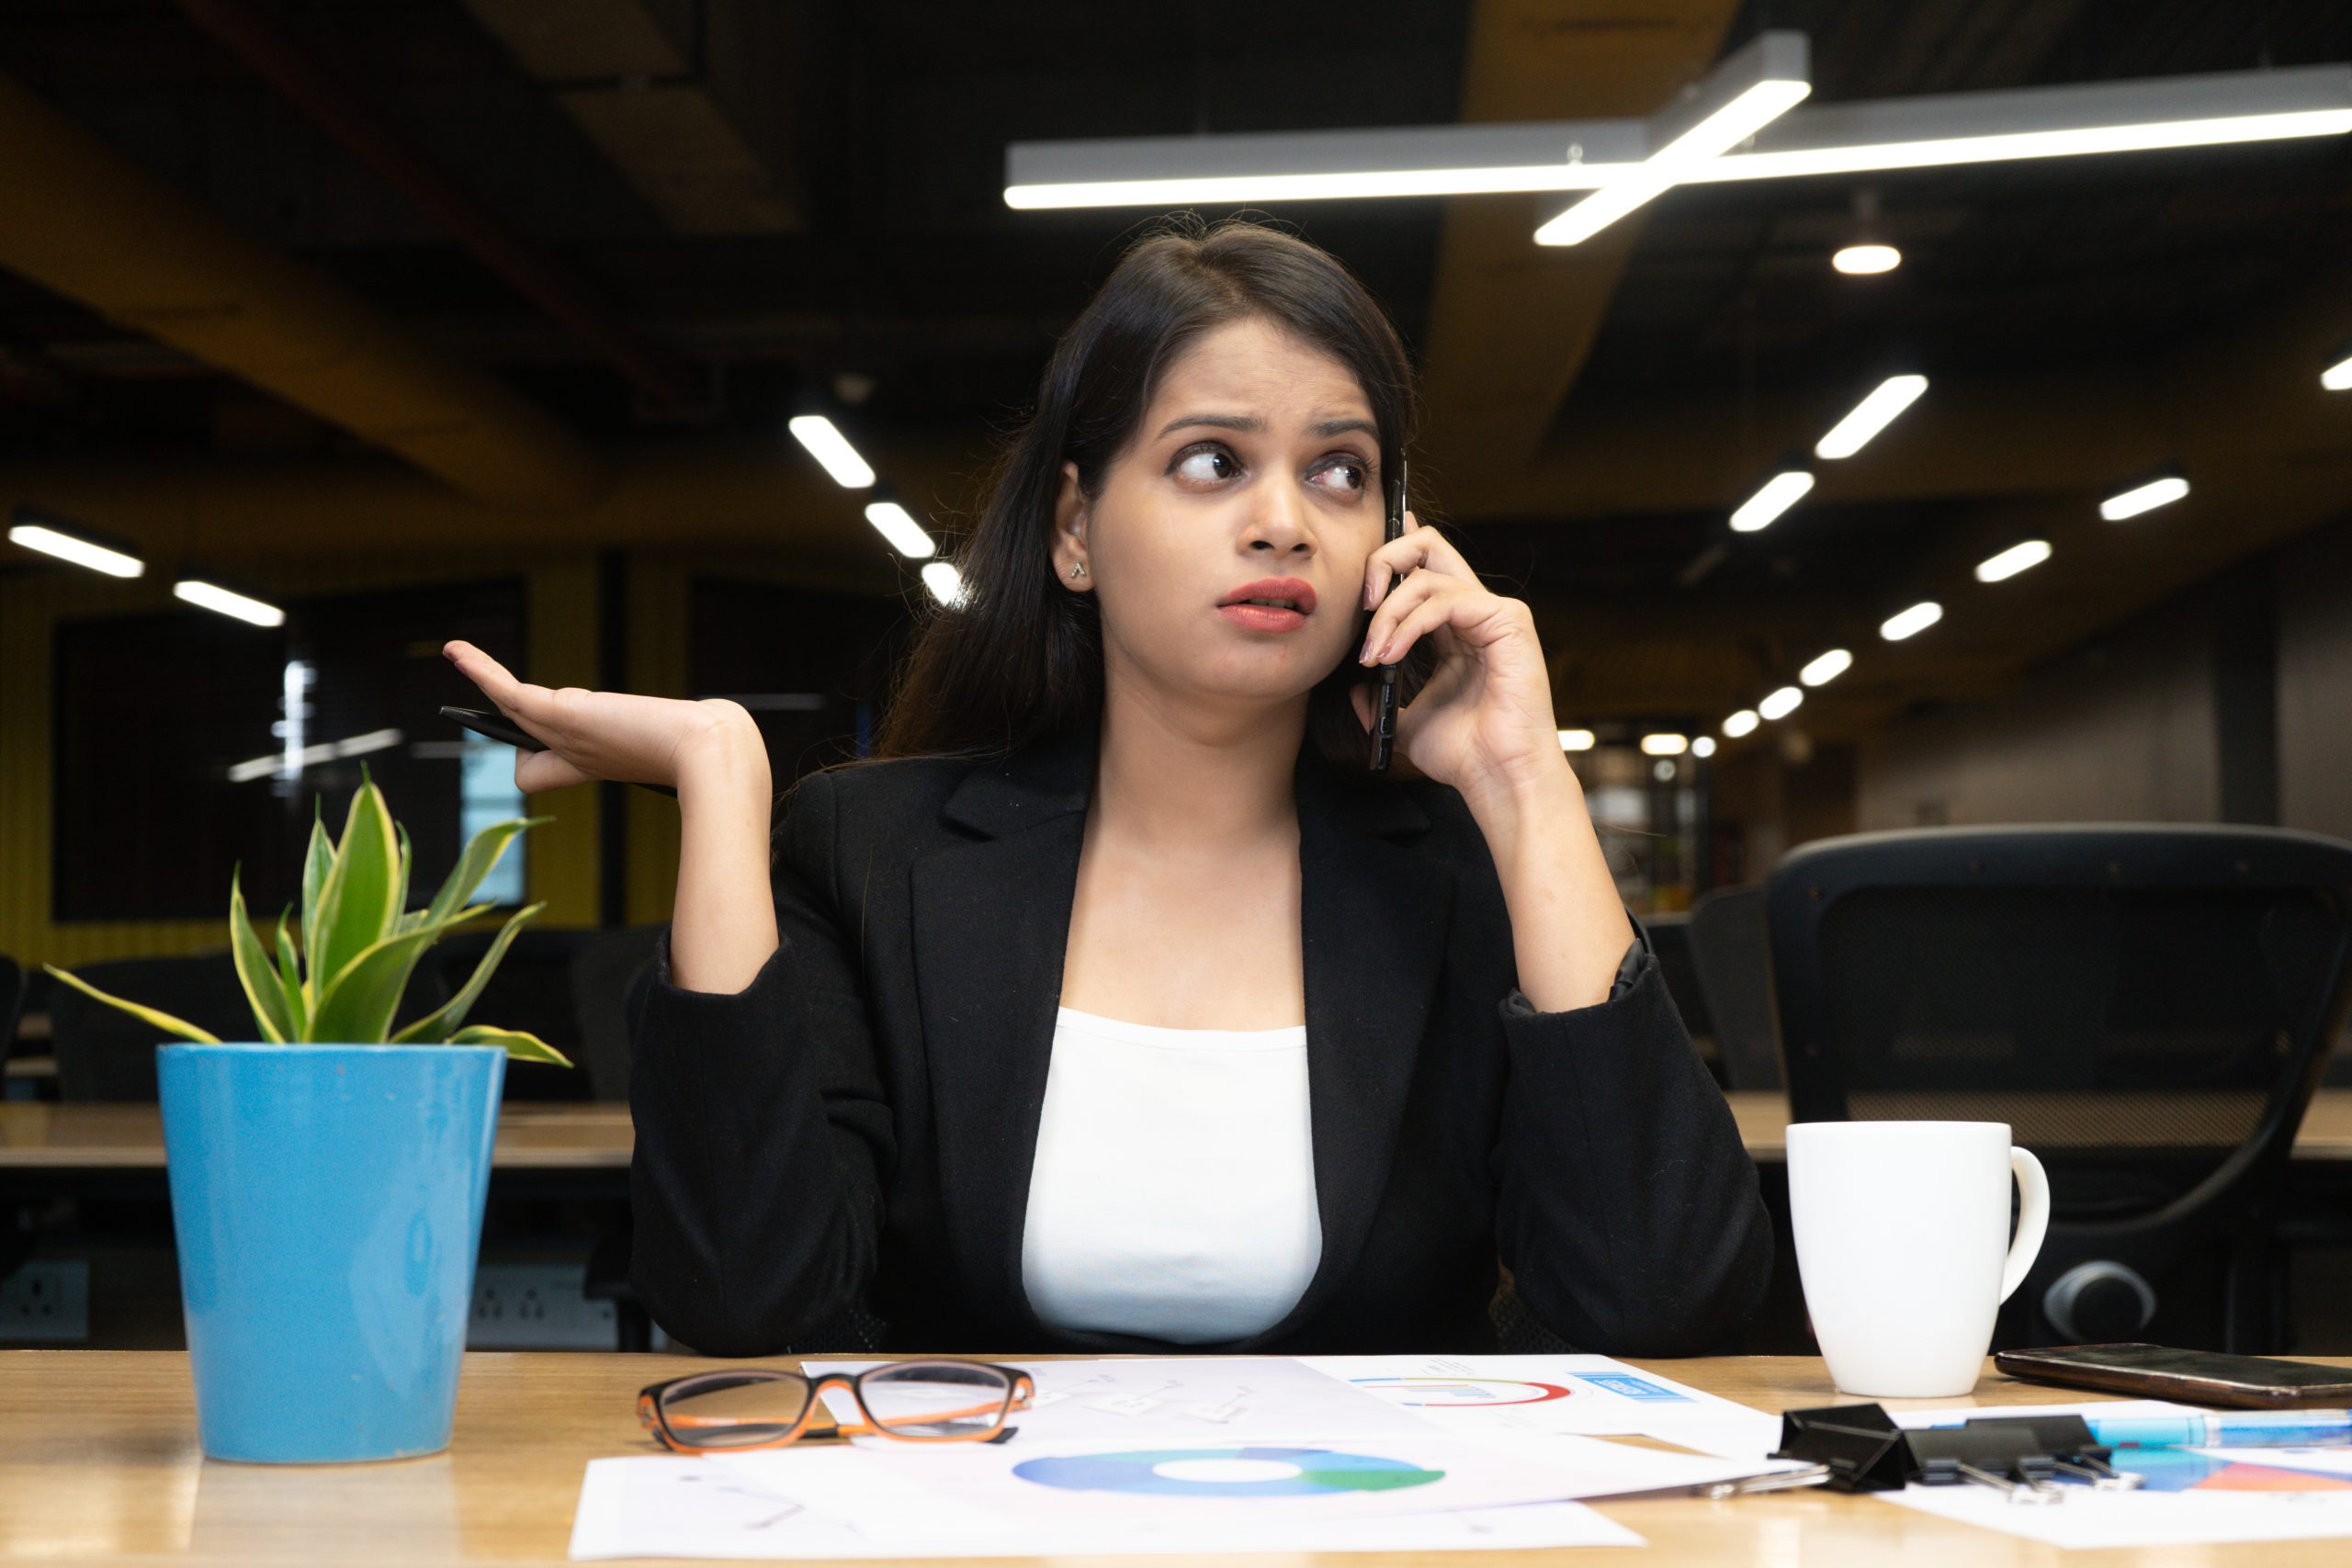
{"x":601,"y":735}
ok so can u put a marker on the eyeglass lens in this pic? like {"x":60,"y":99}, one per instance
{"x":935,"y":1399}
{"x":725,"y":1411}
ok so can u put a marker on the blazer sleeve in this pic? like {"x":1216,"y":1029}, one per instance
{"x":1628,"y":1211}
{"x":763,"y":1135}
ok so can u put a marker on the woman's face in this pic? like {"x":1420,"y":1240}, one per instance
{"x":1256,"y":460}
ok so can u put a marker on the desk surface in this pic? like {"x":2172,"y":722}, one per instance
{"x":39,"y":1135}
{"x":103,"y":1467}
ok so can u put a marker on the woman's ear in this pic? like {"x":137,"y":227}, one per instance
{"x":1070,"y":532}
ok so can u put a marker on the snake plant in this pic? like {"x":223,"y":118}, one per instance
{"x":361,"y":942}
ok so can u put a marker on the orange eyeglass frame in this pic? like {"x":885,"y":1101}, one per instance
{"x":1024,"y":1388}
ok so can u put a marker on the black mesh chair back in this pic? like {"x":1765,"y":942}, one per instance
{"x":105,"y":1054}
{"x":1732,"y":948}
{"x":602,"y":972}
{"x":2147,"y":1008}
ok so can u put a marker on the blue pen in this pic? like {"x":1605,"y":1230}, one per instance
{"x":2238,"y":1429}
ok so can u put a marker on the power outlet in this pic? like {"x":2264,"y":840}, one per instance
{"x":47,"y":1301}
{"x":536,"y":1306}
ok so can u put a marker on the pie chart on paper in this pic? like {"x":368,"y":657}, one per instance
{"x":1258,"y":1471}
{"x":1440,"y":1393}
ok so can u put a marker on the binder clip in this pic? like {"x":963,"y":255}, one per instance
{"x":1860,"y":1445}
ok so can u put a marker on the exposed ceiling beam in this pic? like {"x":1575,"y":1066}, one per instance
{"x":82,"y":223}
{"x":1511,"y":322}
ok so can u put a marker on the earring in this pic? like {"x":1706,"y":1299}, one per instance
{"x":1079,"y":571}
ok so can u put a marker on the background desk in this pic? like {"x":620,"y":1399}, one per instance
{"x":103,"y":1467}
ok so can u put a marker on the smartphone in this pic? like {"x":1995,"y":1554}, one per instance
{"x":497,"y":728}
{"x":2197,"y":1377}
{"x":1384,"y":721}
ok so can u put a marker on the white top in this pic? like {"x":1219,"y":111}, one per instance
{"x":1173,"y":1194}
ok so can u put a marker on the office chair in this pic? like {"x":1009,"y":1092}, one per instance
{"x":1733,"y":952}
{"x":2147,"y":1006}
{"x":602,"y":973}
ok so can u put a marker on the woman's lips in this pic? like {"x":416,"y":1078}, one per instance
{"x":1263,"y":617}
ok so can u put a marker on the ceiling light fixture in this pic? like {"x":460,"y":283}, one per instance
{"x":1780,"y":704}
{"x":1911,"y":622}
{"x":68,"y":541}
{"x":1866,"y":259}
{"x":2337,"y":378}
{"x":2162,"y":491}
{"x":1779,"y":494}
{"x":1576,"y":739}
{"x":907,"y":537}
{"x":1703,"y":747}
{"x":1665,"y":745}
{"x":831,"y":449}
{"x":1827,"y":668}
{"x":947,"y":584}
{"x":228,"y":602}
{"x":1873,"y":414}
{"x":1741,"y":723}
{"x":2023,"y":556}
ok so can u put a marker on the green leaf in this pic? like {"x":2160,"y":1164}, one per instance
{"x":520,"y":1047}
{"x":162,"y":1020}
{"x":400,"y":899}
{"x":253,"y":971}
{"x":356,"y":1007}
{"x":481,"y":855}
{"x":316,"y":863}
{"x":356,"y":905}
{"x":434,"y":1027}
{"x":289,"y":980}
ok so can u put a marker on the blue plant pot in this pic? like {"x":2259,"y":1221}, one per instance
{"x":328,"y":1204}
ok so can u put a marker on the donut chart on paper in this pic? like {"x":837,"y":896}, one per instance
{"x":1460,"y":1392}
{"x":1257,"y":1472}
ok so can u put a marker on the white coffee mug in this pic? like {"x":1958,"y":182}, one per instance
{"x":1903,"y":1244}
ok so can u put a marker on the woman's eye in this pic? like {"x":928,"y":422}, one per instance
{"x":1356,"y":475}
{"x":1200,"y":464}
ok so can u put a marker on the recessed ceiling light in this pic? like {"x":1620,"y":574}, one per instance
{"x":1827,"y":668}
{"x":228,"y":602}
{"x":1863,"y":261}
{"x":1704,"y":746}
{"x":1780,"y":704}
{"x":947,"y":584}
{"x":894,"y":523}
{"x":2337,"y":378}
{"x":831,"y":449}
{"x":1779,"y":494}
{"x":2143,"y":498}
{"x":1576,"y":739}
{"x":1913,"y":621}
{"x":1873,"y":414}
{"x":1740,"y":723}
{"x":1665,"y":745}
{"x":2023,"y":556}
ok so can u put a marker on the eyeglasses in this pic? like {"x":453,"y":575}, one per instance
{"x":763,"y":1407}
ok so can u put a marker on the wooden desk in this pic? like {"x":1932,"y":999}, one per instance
{"x":581,"y":1137}
{"x":102,"y":1468}
{"x":2324,"y":1138}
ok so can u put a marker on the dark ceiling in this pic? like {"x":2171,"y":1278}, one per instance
{"x":886,"y":121}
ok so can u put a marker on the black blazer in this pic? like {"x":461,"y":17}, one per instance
{"x":857,"y":1127}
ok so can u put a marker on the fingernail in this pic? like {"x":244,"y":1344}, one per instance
{"x":1369,"y":590}
{"x":1382,"y":658}
{"x":1364,"y":654}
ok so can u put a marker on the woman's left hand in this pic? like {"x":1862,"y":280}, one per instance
{"x":1484,"y":722}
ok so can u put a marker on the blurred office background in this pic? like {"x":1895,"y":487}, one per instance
{"x":410,"y":320}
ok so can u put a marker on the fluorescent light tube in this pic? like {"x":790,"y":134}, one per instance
{"x":226,"y":602}
{"x":1665,"y":745}
{"x":1873,"y":414}
{"x":1863,"y":261}
{"x":1780,"y":704}
{"x":1720,"y":132}
{"x":1576,"y":739}
{"x":947,"y":584}
{"x":1703,"y":747}
{"x":1741,"y":723}
{"x":2337,"y":378}
{"x":831,"y":448}
{"x":1913,"y":621}
{"x":2023,"y":556}
{"x":1780,"y":491}
{"x":2143,"y":498}
{"x":1827,"y":668}
{"x":70,"y":547}
{"x":895,"y":524}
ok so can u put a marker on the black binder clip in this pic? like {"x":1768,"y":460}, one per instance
{"x":1860,"y":1445}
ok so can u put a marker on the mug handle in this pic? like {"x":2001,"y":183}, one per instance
{"x":2033,"y":1219}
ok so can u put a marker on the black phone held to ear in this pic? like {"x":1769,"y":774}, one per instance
{"x":1384,"y":719}
{"x":497,"y":728}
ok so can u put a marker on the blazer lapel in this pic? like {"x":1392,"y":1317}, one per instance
{"x":991,"y":928}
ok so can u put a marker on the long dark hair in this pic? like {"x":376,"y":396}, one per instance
{"x":1020,"y":658}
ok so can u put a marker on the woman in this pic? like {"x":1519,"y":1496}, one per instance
{"x":1118,"y":1006}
